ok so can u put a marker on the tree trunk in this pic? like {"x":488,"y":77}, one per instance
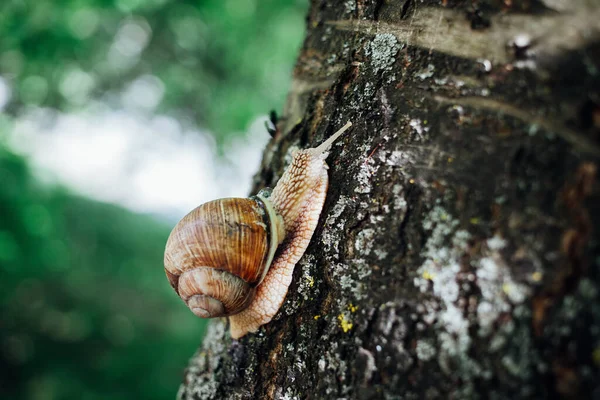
{"x":457,"y":256}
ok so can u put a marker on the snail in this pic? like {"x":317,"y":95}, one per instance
{"x":235,"y":256}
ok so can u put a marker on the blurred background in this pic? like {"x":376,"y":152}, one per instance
{"x":117,"y":117}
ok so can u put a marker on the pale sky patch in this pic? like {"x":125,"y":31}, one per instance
{"x":147,"y":164}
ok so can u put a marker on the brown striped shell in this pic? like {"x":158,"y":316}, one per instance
{"x":218,"y":253}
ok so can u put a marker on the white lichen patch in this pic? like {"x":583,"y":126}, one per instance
{"x":331,"y":236}
{"x":369,"y":90}
{"x":398,"y":159}
{"x":332,"y":361}
{"x":425,"y":350}
{"x":496,"y":243}
{"x":346,"y":275}
{"x":380,"y":254}
{"x":443,"y":274}
{"x":366,"y":171}
{"x":394,"y":158}
{"x":337,"y":209}
{"x":419,"y":130}
{"x":351,"y":279}
{"x":400,"y":203}
{"x":213,"y":341}
{"x":322,"y":364}
{"x":364,"y":241}
{"x":427,"y":72}
{"x":362,"y":268}
{"x":382,"y":50}
{"x":308,"y":287}
{"x":376,"y":219}
{"x":499,"y":291}
{"x":362,"y":211}
{"x":441,"y":262}
{"x":442,"y":253}
{"x":350,"y":6}
{"x":288,"y":395}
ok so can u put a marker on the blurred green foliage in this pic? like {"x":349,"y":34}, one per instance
{"x":219,"y":63}
{"x":85,"y":309}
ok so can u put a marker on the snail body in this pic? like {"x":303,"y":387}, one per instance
{"x":235,"y":257}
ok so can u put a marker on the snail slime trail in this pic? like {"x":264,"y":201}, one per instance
{"x":228,"y":257}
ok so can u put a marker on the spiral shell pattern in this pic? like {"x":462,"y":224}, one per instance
{"x":217,"y":255}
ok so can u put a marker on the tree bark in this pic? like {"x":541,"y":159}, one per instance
{"x":457,"y":256}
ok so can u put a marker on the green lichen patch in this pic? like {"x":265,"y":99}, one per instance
{"x":382,"y":51}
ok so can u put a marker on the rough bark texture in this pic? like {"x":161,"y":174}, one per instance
{"x":457,"y":256}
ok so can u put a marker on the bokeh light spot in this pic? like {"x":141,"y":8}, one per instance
{"x":34,"y":89}
{"x":83,"y":22}
{"x":76,"y":85}
{"x":5,"y":93}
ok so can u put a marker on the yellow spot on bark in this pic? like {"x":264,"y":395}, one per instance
{"x":428,"y":275}
{"x":316,"y":317}
{"x":352,"y":308}
{"x":344,"y":323}
{"x":311,"y":281}
{"x":411,"y":181}
{"x":474,"y":221}
{"x":536,"y":276}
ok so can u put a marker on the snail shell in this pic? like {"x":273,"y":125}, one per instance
{"x":218,"y":254}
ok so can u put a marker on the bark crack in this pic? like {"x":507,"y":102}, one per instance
{"x":578,"y":140}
